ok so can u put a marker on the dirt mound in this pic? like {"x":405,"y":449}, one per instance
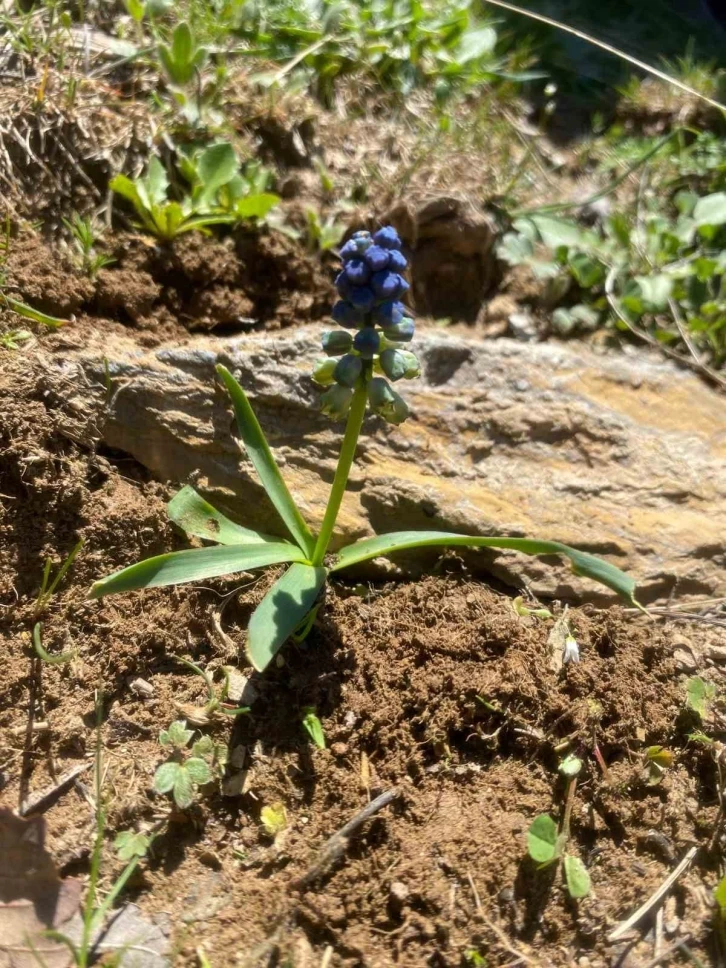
{"x":437,"y":692}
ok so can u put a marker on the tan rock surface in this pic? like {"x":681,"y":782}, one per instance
{"x":620,"y":454}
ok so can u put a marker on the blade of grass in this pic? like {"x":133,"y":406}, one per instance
{"x":582,"y":563}
{"x":59,"y":659}
{"x":27,"y":312}
{"x":179,"y":567}
{"x":265,"y":465}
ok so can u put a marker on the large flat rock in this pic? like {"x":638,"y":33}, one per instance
{"x":620,"y":454}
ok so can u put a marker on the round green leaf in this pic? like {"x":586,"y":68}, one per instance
{"x":165,"y":777}
{"x":711,"y":209}
{"x":542,"y":839}
{"x":571,"y":765}
{"x":198,"y":770}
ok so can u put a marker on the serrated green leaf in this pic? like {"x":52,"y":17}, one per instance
{"x":265,"y":465}
{"x":281,"y":611}
{"x":130,"y":844}
{"x":313,"y":727}
{"x":198,"y":770}
{"x":256,"y":206}
{"x":183,"y":788}
{"x":165,"y":777}
{"x":196,"y":564}
{"x":576,"y":877}
{"x":583,"y":564}
{"x":176,"y":735}
{"x":156,"y":182}
{"x":198,"y":517}
{"x":203,"y":747}
{"x":515,"y":248}
{"x":542,"y":839}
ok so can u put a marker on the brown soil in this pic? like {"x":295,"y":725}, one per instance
{"x":397,"y":674}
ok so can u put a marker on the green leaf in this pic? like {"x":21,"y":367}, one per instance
{"x":583,"y":564}
{"x":183,"y":788}
{"x":556,"y":232}
{"x":60,"y":658}
{"x":182,"y":43}
{"x":217,"y":165}
{"x":475,"y":44}
{"x":576,"y":877}
{"x":196,"y":564}
{"x":711,"y":209}
{"x":123,"y":186}
{"x":198,"y":770}
{"x":515,"y":248}
{"x":27,"y":312}
{"x":130,"y":844}
{"x":274,"y":818}
{"x":165,"y":777}
{"x":256,"y":206}
{"x":176,"y":735}
{"x":198,"y":517}
{"x":571,"y":765}
{"x":204,"y":748}
{"x":542,"y":839}
{"x":699,"y":695}
{"x":655,"y":291}
{"x":281,"y":611}
{"x":156,"y":181}
{"x":313,"y":727}
{"x":720,"y":896}
{"x":586,"y":270}
{"x":265,"y":465}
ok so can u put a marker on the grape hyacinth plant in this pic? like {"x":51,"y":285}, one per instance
{"x":363,"y":359}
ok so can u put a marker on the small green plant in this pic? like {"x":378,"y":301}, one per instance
{"x":182,"y":58}
{"x":313,"y":727}
{"x":13,"y":339}
{"x":274,"y":819}
{"x":699,"y":696}
{"x":216,"y":698}
{"x":186,"y":769}
{"x":662,"y":270}
{"x":157,"y":213}
{"x":322,"y":235}
{"x":361,"y":360}
{"x":547,"y":843}
{"x":83,"y":233}
{"x":220,"y":194}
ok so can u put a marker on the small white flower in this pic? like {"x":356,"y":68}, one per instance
{"x":572,"y":650}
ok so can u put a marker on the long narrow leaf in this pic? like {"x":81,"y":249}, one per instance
{"x":281,"y":611}
{"x":196,"y":516}
{"x":261,"y":457}
{"x":582,"y":563}
{"x":27,"y":312}
{"x":195,"y":564}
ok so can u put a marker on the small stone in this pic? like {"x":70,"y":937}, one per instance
{"x":339,"y":749}
{"x":237,"y":757}
{"x":398,"y":891}
{"x":240,"y":690}
{"x":141,"y":688}
{"x":523,"y":327}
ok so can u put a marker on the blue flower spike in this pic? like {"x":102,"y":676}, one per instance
{"x":370,"y":285}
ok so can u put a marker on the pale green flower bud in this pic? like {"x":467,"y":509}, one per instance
{"x":324,"y":371}
{"x":386,"y":402}
{"x":399,"y":364}
{"x":335,"y":402}
{"x":336,"y":342}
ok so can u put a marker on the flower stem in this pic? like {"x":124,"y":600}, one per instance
{"x":345,"y":461}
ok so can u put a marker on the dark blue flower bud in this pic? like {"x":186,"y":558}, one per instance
{"x":399,"y":364}
{"x":366,"y":342}
{"x":362,"y":298}
{"x":348,"y":370}
{"x":342,"y":284}
{"x":377,"y":258}
{"x":389,"y":313}
{"x":357,"y":272}
{"x":349,"y":250}
{"x":336,"y":401}
{"x":387,"y":285}
{"x":387,"y":238}
{"x":336,"y":342}
{"x":347,"y":315}
{"x":400,"y":332}
{"x":396,"y":260}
